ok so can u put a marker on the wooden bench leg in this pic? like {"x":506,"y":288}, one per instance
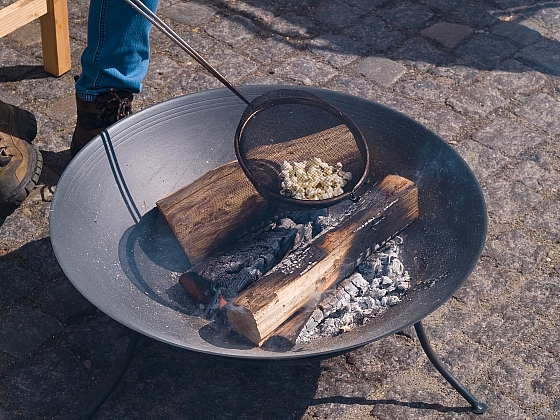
{"x":55,"y":37}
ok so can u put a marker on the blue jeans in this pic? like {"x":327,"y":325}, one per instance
{"x":117,"y":51}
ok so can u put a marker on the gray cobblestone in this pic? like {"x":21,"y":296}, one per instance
{"x":309,"y":72}
{"x":337,"y":50}
{"x":235,"y":30}
{"x":375,"y":33}
{"x":545,"y":54}
{"x":515,"y":77}
{"x":20,"y":283}
{"x":519,"y":31}
{"x":292,"y":25}
{"x":448,"y":34}
{"x":477,"y":100}
{"x":381,"y":70}
{"x":515,"y":250}
{"x":407,"y":15}
{"x":482,"y":160}
{"x":486,"y":50}
{"x":337,"y":13}
{"x":190,"y":13}
{"x":547,"y":219}
{"x":541,"y":110}
{"x":25,"y":329}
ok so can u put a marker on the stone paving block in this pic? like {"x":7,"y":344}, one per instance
{"x":444,"y":5}
{"x":462,"y":358}
{"x":375,"y":33}
{"x":400,"y":403}
{"x":63,"y":110}
{"x":540,"y":294}
{"x":356,"y":86}
{"x":6,"y":415}
{"x":103,"y":340}
{"x":257,"y":10}
{"x":234,"y":30}
{"x":508,"y":137}
{"x":447,"y":34}
{"x":191,"y":83}
{"x":544,"y":55}
{"x":53,"y":381}
{"x":476,"y":100}
{"x":407,"y":15}
{"x":546,"y":218}
{"x":521,"y":32}
{"x":367,"y":5}
{"x":419,"y":53}
{"x":428,"y":89}
{"x":337,"y":50}
{"x":460,"y":73}
{"x":477,"y":14}
{"x":16,"y":283}
{"x":443,"y":328}
{"x":15,"y":230}
{"x":444,"y":122}
{"x":541,"y":110}
{"x":24,"y":330}
{"x":200,"y":41}
{"x":502,"y":328}
{"x":381,"y":70}
{"x":403,"y":105}
{"x":232,"y":65}
{"x":192,"y":13}
{"x":549,"y":16}
{"x":486,"y":283}
{"x":50,"y":87}
{"x":536,"y":177}
{"x":271,"y":49}
{"x":337,"y":13}
{"x":40,"y":256}
{"x":482,"y":160}
{"x":511,"y":377}
{"x":500,"y":406}
{"x":291,"y":25}
{"x":513,"y":249}
{"x":376,"y":361}
{"x":486,"y":50}
{"x":309,"y":72}
{"x":64,"y":301}
{"x":515,"y":77}
{"x":162,"y":70}
{"x":10,"y":98}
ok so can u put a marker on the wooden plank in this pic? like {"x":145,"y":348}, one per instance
{"x":20,"y":13}
{"x":260,"y":309}
{"x":55,"y":38}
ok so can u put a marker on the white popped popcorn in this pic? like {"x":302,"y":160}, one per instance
{"x":319,"y":181}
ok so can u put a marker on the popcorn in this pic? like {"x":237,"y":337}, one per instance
{"x":319,"y":181}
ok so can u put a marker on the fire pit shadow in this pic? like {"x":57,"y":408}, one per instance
{"x":153,"y":260}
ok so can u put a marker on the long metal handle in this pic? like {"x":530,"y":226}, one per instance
{"x":163,"y":27}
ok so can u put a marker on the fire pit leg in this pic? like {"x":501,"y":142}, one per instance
{"x":478,"y":407}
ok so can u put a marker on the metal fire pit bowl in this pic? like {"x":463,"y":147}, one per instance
{"x":120,"y":254}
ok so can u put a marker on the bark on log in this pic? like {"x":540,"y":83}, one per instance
{"x":207,"y":213}
{"x":332,"y":255}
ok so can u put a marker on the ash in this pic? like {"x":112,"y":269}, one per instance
{"x":378,"y":283}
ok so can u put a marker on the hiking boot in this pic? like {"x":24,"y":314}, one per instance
{"x":20,"y":162}
{"x":96,"y":116}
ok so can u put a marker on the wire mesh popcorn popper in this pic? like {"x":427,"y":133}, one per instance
{"x":287,"y":127}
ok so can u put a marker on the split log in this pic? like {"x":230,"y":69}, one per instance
{"x":207,"y":213}
{"x":332,"y":255}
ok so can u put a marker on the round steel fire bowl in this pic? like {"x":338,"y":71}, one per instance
{"x":120,"y":254}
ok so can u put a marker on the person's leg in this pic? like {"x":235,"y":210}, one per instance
{"x":114,"y":64}
{"x":20,"y":162}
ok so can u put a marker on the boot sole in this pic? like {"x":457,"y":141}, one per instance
{"x":27,"y":125}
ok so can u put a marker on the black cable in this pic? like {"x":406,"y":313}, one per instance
{"x":122,"y":370}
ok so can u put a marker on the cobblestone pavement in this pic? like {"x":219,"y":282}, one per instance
{"x":481,"y":74}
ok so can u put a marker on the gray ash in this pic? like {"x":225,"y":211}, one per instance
{"x":378,"y":283}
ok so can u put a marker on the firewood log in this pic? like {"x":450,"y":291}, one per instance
{"x":207,"y":213}
{"x":332,"y":255}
